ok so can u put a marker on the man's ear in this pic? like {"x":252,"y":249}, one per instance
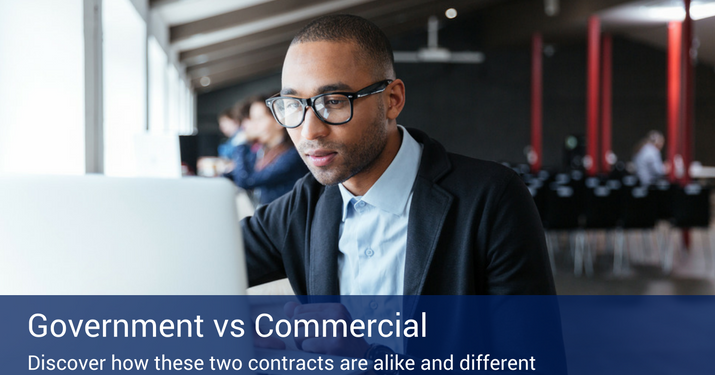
{"x":396,"y":99}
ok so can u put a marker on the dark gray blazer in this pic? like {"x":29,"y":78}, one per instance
{"x":473,"y":229}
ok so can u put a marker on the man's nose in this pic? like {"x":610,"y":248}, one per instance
{"x":313,"y":127}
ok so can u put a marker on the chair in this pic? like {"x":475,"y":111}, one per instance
{"x":638,"y":213}
{"x":691,"y":210}
{"x":601,"y":213}
{"x":536,"y":188}
{"x":662,"y":192}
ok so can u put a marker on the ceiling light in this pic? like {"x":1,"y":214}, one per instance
{"x":699,"y":11}
{"x":669,"y":12}
{"x":434,"y":54}
{"x":205,"y":81}
{"x":551,"y":7}
{"x":451,"y":13}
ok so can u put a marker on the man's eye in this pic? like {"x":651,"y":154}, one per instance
{"x":292,"y":106}
{"x":335,"y":102}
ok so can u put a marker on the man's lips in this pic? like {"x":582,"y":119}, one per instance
{"x":321,"y":158}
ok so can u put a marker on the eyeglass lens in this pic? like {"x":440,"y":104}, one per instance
{"x":332,"y":108}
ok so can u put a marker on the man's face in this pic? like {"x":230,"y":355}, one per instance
{"x":335,"y":153}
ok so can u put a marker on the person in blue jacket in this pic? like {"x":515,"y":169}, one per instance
{"x":267,"y":163}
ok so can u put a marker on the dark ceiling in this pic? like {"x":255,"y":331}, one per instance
{"x":240,"y":40}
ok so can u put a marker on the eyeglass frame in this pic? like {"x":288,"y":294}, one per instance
{"x":308,"y":102}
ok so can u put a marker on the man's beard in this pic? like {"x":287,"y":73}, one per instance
{"x":356,"y":158}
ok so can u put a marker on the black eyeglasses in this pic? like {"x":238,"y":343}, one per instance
{"x":335,"y":108}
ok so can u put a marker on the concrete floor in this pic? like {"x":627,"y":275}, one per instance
{"x":693,"y":269}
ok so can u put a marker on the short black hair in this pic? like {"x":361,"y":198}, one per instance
{"x":371,"y":42}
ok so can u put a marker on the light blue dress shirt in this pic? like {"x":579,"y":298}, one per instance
{"x":649,"y":165}
{"x":373,"y":231}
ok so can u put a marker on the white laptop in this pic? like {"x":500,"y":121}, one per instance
{"x":96,"y":235}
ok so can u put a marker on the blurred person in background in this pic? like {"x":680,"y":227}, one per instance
{"x":647,"y":160}
{"x":229,"y":122}
{"x":268,"y":163}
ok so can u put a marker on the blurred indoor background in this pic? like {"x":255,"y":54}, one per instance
{"x":559,"y":90}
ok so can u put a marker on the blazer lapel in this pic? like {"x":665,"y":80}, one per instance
{"x":430,"y":205}
{"x":324,"y":237}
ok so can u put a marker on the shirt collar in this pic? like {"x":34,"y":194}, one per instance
{"x":390,"y":193}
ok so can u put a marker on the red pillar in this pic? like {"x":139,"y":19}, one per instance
{"x":688,"y":86}
{"x":688,"y":108}
{"x":592,"y":82}
{"x":606,"y":101}
{"x":536,"y":101}
{"x":674,"y":90}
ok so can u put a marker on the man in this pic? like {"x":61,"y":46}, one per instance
{"x":385,"y":210}
{"x":229,"y":122}
{"x":647,"y":160}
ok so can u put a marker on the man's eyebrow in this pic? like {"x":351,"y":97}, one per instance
{"x":333,"y":87}
{"x":321,"y":90}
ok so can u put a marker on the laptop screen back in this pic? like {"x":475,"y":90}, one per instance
{"x":96,"y":235}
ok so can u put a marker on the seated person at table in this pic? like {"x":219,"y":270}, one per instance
{"x":268,"y":163}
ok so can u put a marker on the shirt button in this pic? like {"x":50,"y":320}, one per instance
{"x":360,"y":204}
{"x":369,"y":252}
{"x":373,"y":305}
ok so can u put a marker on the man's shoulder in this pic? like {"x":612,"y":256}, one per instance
{"x":475,"y":177}
{"x":484,"y":171}
{"x":447,"y":168}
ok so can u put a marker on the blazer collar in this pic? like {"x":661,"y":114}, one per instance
{"x":435,"y":161}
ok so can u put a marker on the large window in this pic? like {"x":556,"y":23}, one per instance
{"x":125,"y":109}
{"x":45,"y":87}
{"x":158,"y":63}
{"x":42,"y":87}
{"x":171,"y":102}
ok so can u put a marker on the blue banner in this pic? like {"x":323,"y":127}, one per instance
{"x":437,"y":334}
